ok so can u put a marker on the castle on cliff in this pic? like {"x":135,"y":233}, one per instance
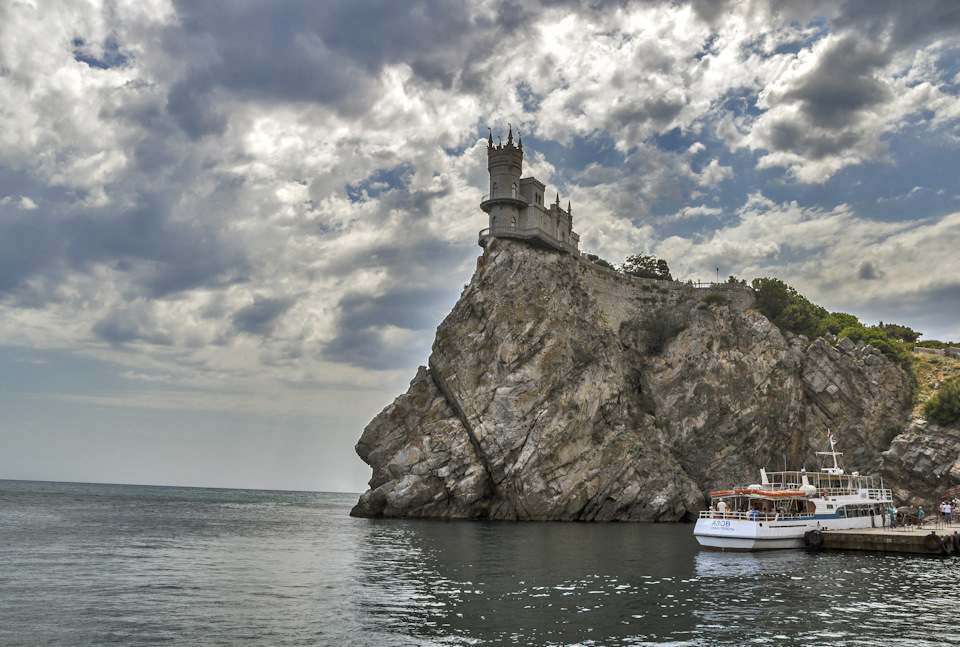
{"x":516,"y":205}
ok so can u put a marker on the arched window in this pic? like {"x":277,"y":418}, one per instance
{"x":493,"y":192}
{"x":513,"y":190}
{"x":513,"y":223}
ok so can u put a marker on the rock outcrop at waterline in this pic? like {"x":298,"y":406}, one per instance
{"x":557,"y":390}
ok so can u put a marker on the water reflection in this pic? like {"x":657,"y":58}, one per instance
{"x":531,"y":584}
{"x":477,"y":583}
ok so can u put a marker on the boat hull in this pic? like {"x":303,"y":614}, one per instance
{"x":743,"y":535}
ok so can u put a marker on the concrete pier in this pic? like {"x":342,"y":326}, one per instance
{"x":933,"y":539}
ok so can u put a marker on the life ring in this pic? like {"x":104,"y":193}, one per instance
{"x":932,"y":543}
{"x":813,"y":538}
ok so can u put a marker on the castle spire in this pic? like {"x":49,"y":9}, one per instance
{"x":490,"y":140}
{"x":510,"y":135}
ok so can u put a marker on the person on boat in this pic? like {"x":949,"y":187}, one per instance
{"x":754,"y":514}
{"x":722,"y":508}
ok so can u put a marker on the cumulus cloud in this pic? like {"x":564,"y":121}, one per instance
{"x":291,"y":191}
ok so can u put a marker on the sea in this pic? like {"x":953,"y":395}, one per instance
{"x":84,"y":564}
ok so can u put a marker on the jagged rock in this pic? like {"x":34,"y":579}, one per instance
{"x":922,"y":462}
{"x":557,"y":390}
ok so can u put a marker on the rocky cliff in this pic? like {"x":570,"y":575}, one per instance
{"x":924,"y":460}
{"x":559,"y":390}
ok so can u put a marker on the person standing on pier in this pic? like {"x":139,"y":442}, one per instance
{"x":945,"y":509}
{"x":920,"y":517}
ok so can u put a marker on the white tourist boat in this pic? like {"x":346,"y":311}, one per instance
{"x":790,"y":509}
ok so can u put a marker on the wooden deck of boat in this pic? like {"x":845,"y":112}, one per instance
{"x":904,"y":539}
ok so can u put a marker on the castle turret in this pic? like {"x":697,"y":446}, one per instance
{"x":505,"y":164}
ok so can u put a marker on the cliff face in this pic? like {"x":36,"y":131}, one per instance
{"x":922,"y":462}
{"x":557,"y":390}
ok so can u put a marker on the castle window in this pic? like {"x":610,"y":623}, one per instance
{"x":493,"y":192}
{"x":513,"y":223}
{"x":513,"y":190}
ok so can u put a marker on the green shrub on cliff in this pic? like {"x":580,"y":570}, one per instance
{"x":659,"y":328}
{"x":894,"y":349}
{"x":714,"y":298}
{"x":944,"y":406}
{"x":835,"y":322}
{"x":789,"y":310}
{"x":596,"y":260}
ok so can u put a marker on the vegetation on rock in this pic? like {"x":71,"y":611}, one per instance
{"x":714,"y":298}
{"x":596,"y":260}
{"x":787,"y":309}
{"x":791,"y":311}
{"x":944,"y":406}
{"x":646,"y":267}
{"x":660,"y":327}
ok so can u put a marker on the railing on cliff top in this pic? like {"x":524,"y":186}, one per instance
{"x":528,"y":233}
{"x":702,"y":285}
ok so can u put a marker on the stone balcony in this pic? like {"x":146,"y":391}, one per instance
{"x":533,"y":235}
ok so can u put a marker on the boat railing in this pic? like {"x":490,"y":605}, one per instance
{"x":875,"y":494}
{"x":752,"y":516}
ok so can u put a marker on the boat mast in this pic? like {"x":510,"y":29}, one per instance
{"x":836,"y":469}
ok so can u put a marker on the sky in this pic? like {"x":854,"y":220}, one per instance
{"x":229,"y":230}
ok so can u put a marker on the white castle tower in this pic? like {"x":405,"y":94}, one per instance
{"x":516,"y":206}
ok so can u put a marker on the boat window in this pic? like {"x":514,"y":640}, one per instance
{"x":842,"y":512}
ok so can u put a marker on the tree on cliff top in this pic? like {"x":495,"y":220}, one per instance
{"x":646,"y":267}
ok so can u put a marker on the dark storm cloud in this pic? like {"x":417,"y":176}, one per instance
{"x":907,"y":23}
{"x":867,"y":272}
{"x":843,"y":83}
{"x":27,"y":243}
{"x":360,"y":340}
{"x":323,"y":52}
{"x":369,"y":349}
{"x":260,"y":317}
{"x":126,"y":324}
{"x":412,"y":309}
{"x":160,"y":255}
{"x":850,"y":78}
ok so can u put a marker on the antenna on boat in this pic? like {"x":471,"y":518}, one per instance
{"x":836,"y":469}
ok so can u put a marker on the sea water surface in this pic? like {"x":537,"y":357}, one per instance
{"x":88,"y":564}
